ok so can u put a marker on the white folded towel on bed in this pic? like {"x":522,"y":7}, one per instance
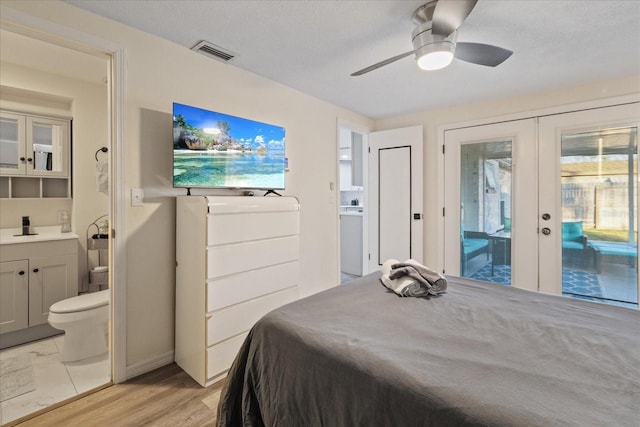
{"x":436,"y":281}
{"x":412,"y":279}
{"x":399,"y":285}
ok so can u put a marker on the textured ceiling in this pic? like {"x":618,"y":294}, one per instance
{"x":314,"y":46}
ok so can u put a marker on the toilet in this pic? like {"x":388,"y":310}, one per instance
{"x":84,"y":321}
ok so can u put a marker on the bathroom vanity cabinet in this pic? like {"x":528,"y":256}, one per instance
{"x":34,"y":274}
{"x":34,"y":156}
{"x":236,"y":260}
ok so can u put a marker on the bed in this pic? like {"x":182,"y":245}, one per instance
{"x":480,"y":354}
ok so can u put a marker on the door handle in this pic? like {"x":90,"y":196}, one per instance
{"x":546,"y":231}
{"x":417,"y":216}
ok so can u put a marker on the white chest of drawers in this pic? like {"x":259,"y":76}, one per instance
{"x":236,"y":260}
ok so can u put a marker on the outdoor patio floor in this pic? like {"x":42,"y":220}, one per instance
{"x":615,"y":284}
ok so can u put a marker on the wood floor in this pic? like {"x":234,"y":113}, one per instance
{"x":164,"y":397}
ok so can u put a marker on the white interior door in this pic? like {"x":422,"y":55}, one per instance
{"x":395,"y":195}
{"x":588,"y":203}
{"x":491,"y":203}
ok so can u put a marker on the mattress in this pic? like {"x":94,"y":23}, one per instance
{"x":480,"y":354}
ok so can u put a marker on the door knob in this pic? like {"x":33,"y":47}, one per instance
{"x":546,"y":231}
{"x":546,"y":216}
{"x":35,"y":270}
{"x":21,"y":272}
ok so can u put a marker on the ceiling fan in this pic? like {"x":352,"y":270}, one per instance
{"x":434,"y":39}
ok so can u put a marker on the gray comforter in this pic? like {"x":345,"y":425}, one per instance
{"x":481,"y":354}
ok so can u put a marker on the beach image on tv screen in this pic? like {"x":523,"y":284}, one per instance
{"x":215,"y":150}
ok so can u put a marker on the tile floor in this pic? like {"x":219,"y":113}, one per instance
{"x":55,"y":380}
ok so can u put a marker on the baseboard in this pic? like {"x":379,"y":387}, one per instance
{"x":149,"y":365}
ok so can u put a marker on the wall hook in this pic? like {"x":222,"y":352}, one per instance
{"x":103,"y":149}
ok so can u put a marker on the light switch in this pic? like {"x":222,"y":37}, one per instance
{"x":137,"y":197}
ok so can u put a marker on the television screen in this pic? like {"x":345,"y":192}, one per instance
{"x":215,"y":150}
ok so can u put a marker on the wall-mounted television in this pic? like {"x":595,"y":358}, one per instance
{"x":215,"y":150}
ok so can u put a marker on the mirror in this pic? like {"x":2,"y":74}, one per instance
{"x":46,"y":146}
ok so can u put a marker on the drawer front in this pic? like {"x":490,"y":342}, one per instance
{"x":234,"y":228}
{"x":229,"y":290}
{"x":237,"y":257}
{"x":241,"y":317}
{"x":242,"y":204}
{"x":220,"y":357}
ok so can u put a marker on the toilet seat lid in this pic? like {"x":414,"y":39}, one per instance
{"x":81,"y":302}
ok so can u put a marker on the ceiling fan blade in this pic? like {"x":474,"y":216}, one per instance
{"x":449,"y":15}
{"x":382,"y":63}
{"x":481,"y":54}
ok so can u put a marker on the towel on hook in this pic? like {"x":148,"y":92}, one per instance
{"x":102,"y":176}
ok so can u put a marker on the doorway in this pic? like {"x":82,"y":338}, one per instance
{"x":547,"y":204}
{"x":49,"y":379}
{"x":353,"y":207}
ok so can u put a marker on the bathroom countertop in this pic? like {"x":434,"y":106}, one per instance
{"x":351,"y":213}
{"x":45,"y":233}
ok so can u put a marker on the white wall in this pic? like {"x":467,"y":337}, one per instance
{"x":431,"y":120}
{"x":157,"y":73}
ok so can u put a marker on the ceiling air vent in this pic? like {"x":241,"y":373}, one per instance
{"x":213,"y":51}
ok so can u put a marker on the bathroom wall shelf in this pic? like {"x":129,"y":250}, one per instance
{"x":12,"y":187}
{"x":98,"y":276}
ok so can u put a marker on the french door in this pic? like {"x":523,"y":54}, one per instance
{"x":547,"y":203}
{"x":589,"y":174}
{"x":490,"y":204}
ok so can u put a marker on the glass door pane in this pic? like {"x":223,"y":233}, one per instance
{"x":485,"y":211}
{"x":588,"y":193}
{"x":12,"y":157}
{"x":47,"y":139}
{"x":43,"y":147}
{"x":490,"y":199}
{"x":599,"y":215}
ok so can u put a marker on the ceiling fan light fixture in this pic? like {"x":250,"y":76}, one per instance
{"x":434,"y":39}
{"x":435,"y":56}
{"x":433,"y":51}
